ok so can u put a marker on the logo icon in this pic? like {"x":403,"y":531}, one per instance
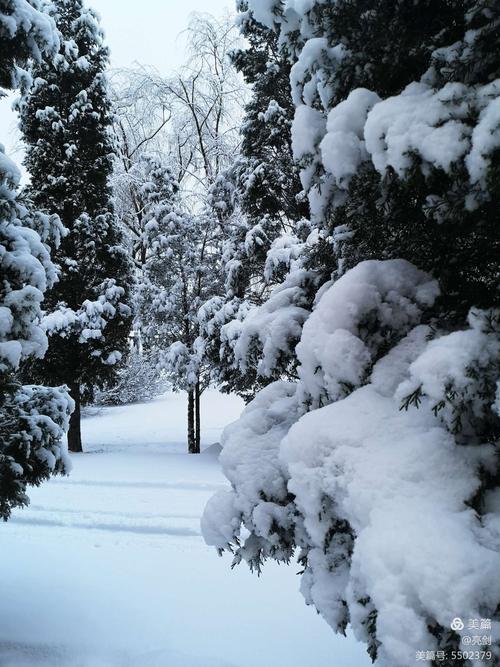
{"x":457,"y":624}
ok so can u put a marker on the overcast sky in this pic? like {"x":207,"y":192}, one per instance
{"x":146,"y":32}
{"x":150,"y":36}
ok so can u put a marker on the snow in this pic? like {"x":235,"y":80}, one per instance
{"x":27,"y":270}
{"x":455,"y":371}
{"x":420,"y":120}
{"x":332,"y":461}
{"x":486,"y":134}
{"x":92,"y":318}
{"x":9,"y":171}
{"x":390,"y":371}
{"x":146,"y":424}
{"x":128,"y":580}
{"x":343,"y":147}
{"x":10,"y":354}
{"x":402,"y":525}
{"x":433,"y":128}
{"x":274,"y":327}
{"x":355,"y":488}
{"x":308,"y":76}
{"x":265,"y":11}
{"x":24,"y":17}
{"x":250,"y":462}
{"x":307,"y":130}
{"x":336,"y":349}
{"x":283,"y":254}
{"x":435,"y":124}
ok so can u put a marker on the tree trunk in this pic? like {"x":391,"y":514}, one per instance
{"x":198,"y":418}
{"x":75,"y":433}
{"x":191,"y":425}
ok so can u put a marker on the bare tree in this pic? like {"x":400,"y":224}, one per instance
{"x":190,"y":119}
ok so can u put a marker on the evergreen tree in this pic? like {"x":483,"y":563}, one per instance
{"x":432,"y":217}
{"x":396,"y":133}
{"x":32,"y":418}
{"x":178,"y":274}
{"x":267,"y":176}
{"x":158,"y":195}
{"x":67,"y":126}
{"x":357,"y":213}
{"x":259,"y":201}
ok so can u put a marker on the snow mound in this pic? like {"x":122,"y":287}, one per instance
{"x":418,"y":551}
{"x":213,"y":450}
{"x":366,"y":310}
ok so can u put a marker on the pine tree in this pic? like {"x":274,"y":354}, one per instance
{"x":158,"y":195}
{"x":396,"y":133}
{"x":427,"y":217}
{"x":267,"y":176}
{"x":176,"y":279}
{"x":32,"y":418}
{"x":357,"y":215}
{"x":67,"y":126}
{"x":258,"y":201}
{"x":179,"y":271}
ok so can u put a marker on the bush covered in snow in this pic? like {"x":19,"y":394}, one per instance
{"x":139,"y":379}
{"x":393,"y":509}
{"x":376,"y":463}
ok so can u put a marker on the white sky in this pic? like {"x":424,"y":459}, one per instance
{"x":151,"y":36}
{"x":146,"y":32}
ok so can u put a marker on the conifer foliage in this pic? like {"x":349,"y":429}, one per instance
{"x":327,"y":250}
{"x":32,"y":418}
{"x":263,"y":215}
{"x":375,"y":457}
{"x":67,"y":126}
{"x":177,"y":276}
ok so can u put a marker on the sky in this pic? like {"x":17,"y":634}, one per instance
{"x":151,"y":37}
{"x":146,"y":32}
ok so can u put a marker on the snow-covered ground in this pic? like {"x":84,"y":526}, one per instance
{"x":107,"y":568}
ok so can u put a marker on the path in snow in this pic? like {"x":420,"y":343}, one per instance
{"x":107,"y":568}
